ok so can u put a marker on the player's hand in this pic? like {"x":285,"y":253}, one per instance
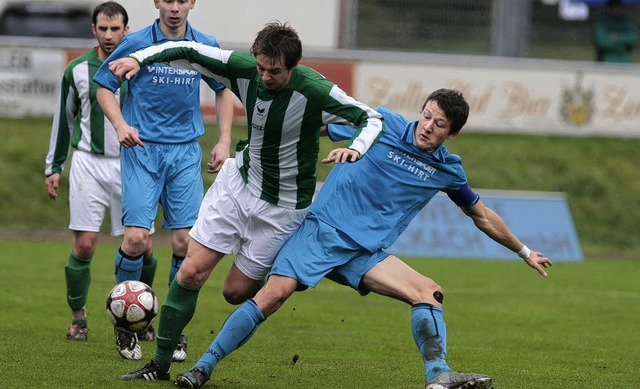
{"x":539,"y":262}
{"x":219,"y":154}
{"x":128,"y":137}
{"x":52,"y":183}
{"x":341,"y":155}
{"x":124,"y":68}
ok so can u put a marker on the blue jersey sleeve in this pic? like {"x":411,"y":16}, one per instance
{"x":103,"y":76}
{"x":339,"y":132}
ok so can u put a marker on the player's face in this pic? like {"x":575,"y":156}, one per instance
{"x":433,"y":127}
{"x":274,"y":76}
{"x":109,"y":32}
{"x":174,"y":13}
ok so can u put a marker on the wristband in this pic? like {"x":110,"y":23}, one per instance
{"x":524,"y":252}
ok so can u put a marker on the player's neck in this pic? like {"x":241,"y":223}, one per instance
{"x":101,"y":54}
{"x":174,"y":33}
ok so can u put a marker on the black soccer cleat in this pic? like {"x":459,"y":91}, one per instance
{"x":150,"y":372}
{"x":192,"y":379}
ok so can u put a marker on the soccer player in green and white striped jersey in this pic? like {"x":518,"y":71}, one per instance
{"x":94,"y":176}
{"x":260,"y":197}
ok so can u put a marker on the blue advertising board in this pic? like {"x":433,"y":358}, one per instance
{"x":541,"y":220}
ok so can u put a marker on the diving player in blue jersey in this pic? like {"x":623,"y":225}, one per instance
{"x":161,"y":159}
{"x":360,"y":211}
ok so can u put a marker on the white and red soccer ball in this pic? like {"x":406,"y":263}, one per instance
{"x":132,"y":306}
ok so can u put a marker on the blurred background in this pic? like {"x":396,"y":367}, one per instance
{"x":547,"y":116}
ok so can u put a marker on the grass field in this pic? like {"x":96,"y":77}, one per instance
{"x":578,"y":328}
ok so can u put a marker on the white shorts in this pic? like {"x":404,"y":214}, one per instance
{"x":94,"y":186}
{"x":233,"y":220}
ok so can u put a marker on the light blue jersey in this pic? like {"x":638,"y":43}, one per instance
{"x":162,"y":102}
{"x":373,"y":200}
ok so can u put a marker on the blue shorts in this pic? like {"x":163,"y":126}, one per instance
{"x":165,"y":174}
{"x":318,"y":250}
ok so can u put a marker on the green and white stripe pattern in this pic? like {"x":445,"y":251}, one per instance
{"x":279,"y":163}
{"x":78,"y":120}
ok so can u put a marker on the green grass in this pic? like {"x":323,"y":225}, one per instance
{"x":575,"y":329}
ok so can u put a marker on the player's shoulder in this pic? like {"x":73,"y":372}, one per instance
{"x":89,"y":57}
{"x":311,"y":81}
{"x":84,"y":57}
{"x":198,"y":36}
{"x":392,"y":118}
{"x":143,"y":35}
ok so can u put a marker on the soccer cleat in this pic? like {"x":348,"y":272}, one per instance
{"x":148,"y":334}
{"x":150,"y":372}
{"x":192,"y":379}
{"x":455,"y":380}
{"x":127,"y":345}
{"x":180,"y":353}
{"x":78,"y":332}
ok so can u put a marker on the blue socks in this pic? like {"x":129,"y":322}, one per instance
{"x":127,"y":268}
{"x":176,"y":262}
{"x":236,"y":331}
{"x":430,"y":335}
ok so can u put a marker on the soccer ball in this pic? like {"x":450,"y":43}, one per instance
{"x":132,"y":306}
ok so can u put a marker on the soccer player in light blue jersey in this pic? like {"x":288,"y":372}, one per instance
{"x":158,"y":128}
{"x":360,"y":211}
{"x":261,"y":196}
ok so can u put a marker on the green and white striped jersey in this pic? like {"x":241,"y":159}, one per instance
{"x":78,"y":120}
{"x":279,"y":162}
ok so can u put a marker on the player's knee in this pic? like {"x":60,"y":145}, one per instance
{"x":189,"y":277}
{"x":135,"y":241}
{"x":431,"y":292}
{"x":236,"y":297}
{"x":84,"y":249}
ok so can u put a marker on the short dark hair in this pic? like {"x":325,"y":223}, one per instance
{"x":110,"y":9}
{"x":454,"y":106}
{"x":278,"y":41}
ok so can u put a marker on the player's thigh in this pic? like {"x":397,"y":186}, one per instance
{"x":197,"y":265}
{"x":394,"y":278}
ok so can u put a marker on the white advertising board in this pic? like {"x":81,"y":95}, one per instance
{"x":528,"y":99}
{"x":29,"y":80}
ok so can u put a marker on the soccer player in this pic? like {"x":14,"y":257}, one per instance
{"x":162,"y":166}
{"x":94,"y":178}
{"x":360,"y":211}
{"x":260,"y":197}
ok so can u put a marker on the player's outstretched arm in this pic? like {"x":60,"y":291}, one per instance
{"x":489,"y":222}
